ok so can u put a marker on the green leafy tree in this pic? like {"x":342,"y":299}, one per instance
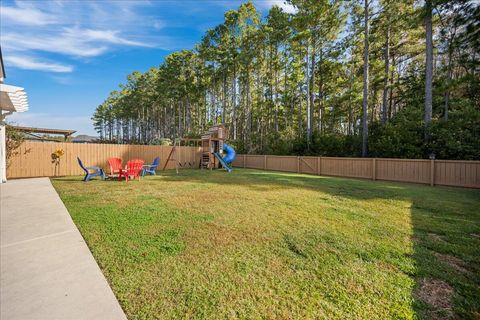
{"x":294,"y":83}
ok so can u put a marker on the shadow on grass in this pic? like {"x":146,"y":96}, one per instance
{"x":445,"y":226}
{"x":80,"y":179}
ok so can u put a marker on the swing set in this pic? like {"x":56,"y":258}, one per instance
{"x":215,"y":153}
{"x":182,"y":157}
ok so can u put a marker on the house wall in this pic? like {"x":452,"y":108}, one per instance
{"x":3,"y":152}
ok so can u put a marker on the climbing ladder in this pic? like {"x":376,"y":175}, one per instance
{"x":205,"y":162}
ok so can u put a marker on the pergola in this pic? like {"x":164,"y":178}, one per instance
{"x":12,"y":99}
{"x":33,"y":132}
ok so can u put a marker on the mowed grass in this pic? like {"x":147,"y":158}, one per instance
{"x":267,"y":245}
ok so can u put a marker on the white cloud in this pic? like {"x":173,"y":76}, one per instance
{"x":26,"y":16}
{"x":262,"y":5}
{"x":108,"y":36}
{"x":74,"y":29}
{"x":267,"y":4}
{"x":29,"y":63}
{"x":62,"y":44}
{"x":71,"y":41}
{"x":158,"y":24}
{"x":65,"y":80}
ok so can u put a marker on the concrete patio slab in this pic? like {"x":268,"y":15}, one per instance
{"x":47,"y":270}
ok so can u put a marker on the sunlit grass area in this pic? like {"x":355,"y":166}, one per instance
{"x":251,"y":244}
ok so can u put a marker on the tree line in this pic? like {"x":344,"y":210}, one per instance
{"x":379,"y":78}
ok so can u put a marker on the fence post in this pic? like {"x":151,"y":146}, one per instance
{"x":244,"y":161}
{"x":432,"y":172}
{"x":298,"y":164}
{"x":319,"y":163}
{"x":265,"y":162}
{"x":374,"y":168}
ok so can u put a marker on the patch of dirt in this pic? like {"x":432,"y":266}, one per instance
{"x":452,"y":261}
{"x":436,"y":237}
{"x":437,"y":294}
{"x":215,"y":238}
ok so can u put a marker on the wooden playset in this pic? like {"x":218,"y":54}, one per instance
{"x":212,"y":143}
{"x":215,"y":153}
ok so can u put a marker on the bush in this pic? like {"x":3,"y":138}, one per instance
{"x":13,"y":140}
{"x":458,"y":138}
{"x":402,"y":137}
{"x":335,"y":145}
{"x":161,"y":142}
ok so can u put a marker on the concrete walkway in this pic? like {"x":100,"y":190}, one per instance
{"x":47,"y":270}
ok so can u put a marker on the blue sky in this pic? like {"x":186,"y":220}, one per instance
{"x":68,"y":55}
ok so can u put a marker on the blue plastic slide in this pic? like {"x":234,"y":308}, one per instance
{"x":227,"y":160}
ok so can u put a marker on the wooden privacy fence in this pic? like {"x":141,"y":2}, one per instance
{"x":33,"y":159}
{"x":434,"y":172}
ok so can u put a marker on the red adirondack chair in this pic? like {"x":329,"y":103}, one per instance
{"x":115,"y":166}
{"x":134,"y":167}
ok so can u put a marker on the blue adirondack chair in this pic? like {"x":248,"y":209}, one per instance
{"x":91,"y":172}
{"x":150,"y":168}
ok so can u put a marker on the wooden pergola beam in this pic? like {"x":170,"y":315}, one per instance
{"x":65,"y":133}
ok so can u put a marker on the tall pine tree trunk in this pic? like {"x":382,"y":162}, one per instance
{"x":449,"y":75}
{"x":365,"y":87}
{"x":300,"y":114}
{"x":312,"y":84}
{"x":385,"y":79}
{"x":276,"y":125}
{"x":320,"y":94}
{"x":224,"y":108}
{"x":309,"y":121}
{"x":428,"y":66}
{"x":248,"y":130}
{"x":391,"y":87}
{"x":234,"y":103}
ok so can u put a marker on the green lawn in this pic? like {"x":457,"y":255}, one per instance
{"x":269,"y":245}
